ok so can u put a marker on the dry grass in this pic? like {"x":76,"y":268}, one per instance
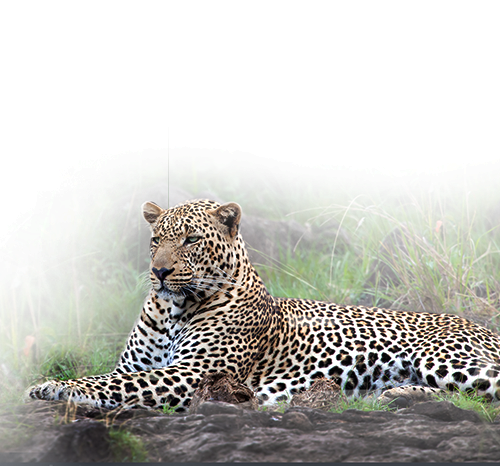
{"x":73,"y":277}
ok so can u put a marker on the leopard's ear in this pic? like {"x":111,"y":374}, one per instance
{"x":151,"y":211}
{"x":229,"y":216}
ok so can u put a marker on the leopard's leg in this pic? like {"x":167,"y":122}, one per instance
{"x":173,"y":385}
{"x":149,"y":345}
{"x":408,"y":395}
{"x":475,"y":375}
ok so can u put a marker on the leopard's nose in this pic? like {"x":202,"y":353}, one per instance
{"x":162,"y":273}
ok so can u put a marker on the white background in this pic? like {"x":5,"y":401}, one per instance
{"x":393,"y":84}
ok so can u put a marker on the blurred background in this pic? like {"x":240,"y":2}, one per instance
{"x":360,"y":139}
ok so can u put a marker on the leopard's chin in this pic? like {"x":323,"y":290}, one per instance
{"x":167,"y":295}
{"x":177,"y":298}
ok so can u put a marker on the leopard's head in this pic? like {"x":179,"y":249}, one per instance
{"x":195,"y":248}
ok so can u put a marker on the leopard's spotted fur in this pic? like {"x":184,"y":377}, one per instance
{"x":208,"y":311}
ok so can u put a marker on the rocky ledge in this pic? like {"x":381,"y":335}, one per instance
{"x":221,"y":432}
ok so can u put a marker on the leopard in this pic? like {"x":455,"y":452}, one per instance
{"x":208,"y":311}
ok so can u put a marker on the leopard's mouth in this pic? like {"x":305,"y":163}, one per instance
{"x":192,"y":288}
{"x":177,"y":296}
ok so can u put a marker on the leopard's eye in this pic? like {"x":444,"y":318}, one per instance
{"x":155,"y":241}
{"x":191,"y":240}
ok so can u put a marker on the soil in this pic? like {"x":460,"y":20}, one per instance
{"x":44,"y":431}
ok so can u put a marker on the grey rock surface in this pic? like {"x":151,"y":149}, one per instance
{"x":218,"y":432}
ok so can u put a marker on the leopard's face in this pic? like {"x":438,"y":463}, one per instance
{"x":192,"y":248}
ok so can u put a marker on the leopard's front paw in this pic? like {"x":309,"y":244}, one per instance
{"x":52,"y":390}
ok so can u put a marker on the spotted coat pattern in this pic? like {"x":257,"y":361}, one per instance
{"x":208,"y":311}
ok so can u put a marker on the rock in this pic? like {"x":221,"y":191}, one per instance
{"x":296,"y":420}
{"x":87,"y":441}
{"x":444,"y":411}
{"x":221,"y":432}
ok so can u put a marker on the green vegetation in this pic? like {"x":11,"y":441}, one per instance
{"x":487,"y":410}
{"x":75,"y":270}
{"x":414,"y":258}
{"x":282,"y":405}
{"x":126,"y":447}
{"x":167,"y":409}
{"x":361,"y":404}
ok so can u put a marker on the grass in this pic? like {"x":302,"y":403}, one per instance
{"x":74,"y":273}
{"x":343,"y":404}
{"x":167,"y":409}
{"x":65,"y":364}
{"x":280,"y":406}
{"x":414,"y":258}
{"x":486,"y":410}
{"x":360,"y":404}
{"x":126,"y":447}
